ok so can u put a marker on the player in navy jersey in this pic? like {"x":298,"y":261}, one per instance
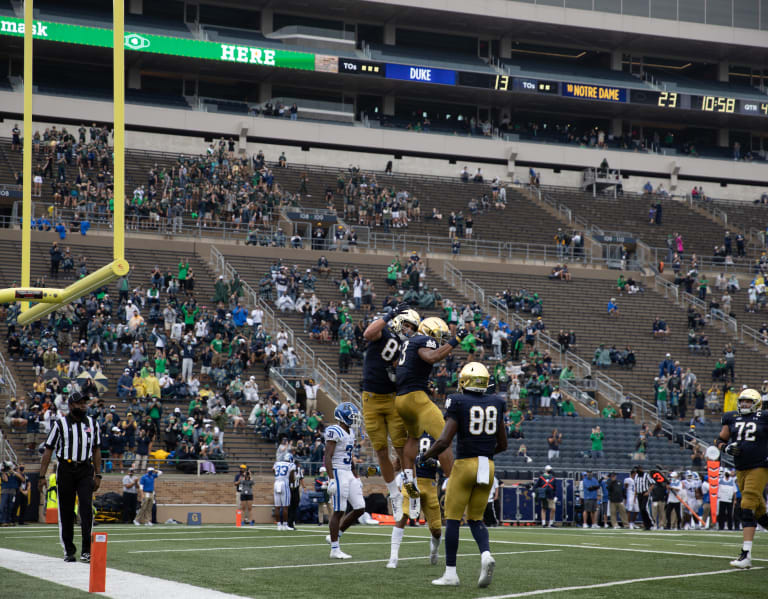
{"x":477,"y":420}
{"x":381,"y":418}
{"x":428,"y":502}
{"x":745,"y":436}
{"x":423,"y":345}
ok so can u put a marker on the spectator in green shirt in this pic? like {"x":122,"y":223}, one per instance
{"x":597,"y":437}
{"x":183,"y":270}
{"x":621,"y":284}
{"x":568,"y":408}
{"x":344,"y":347}
{"x":609,"y":412}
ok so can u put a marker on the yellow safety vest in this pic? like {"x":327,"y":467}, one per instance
{"x":52,"y":497}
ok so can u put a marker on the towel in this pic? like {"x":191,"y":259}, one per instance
{"x":483,"y":470}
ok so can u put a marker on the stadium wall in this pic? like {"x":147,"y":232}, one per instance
{"x":313,"y":143}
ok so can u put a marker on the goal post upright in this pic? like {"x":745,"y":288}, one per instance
{"x":118,"y":100}
{"x":26,"y":199}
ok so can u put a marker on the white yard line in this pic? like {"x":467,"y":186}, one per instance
{"x":654,"y":551}
{"x":613,"y":584}
{"x":376,"y":561}
{"x":186,"y":539}
{"x":325,"y":545}
{"x":119,"y":584}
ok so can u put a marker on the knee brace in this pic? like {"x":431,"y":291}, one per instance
{"x":748,"y":518}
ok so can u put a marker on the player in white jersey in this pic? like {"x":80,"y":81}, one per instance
{"x":692,"y":490}
{"x":285,"y":471}
{"x":342,"y":486}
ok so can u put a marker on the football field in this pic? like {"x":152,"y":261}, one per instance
{"x":263,"y":562}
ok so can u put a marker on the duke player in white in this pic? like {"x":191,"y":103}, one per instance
{"x":343,"y":487}
{"x":285,"y":471}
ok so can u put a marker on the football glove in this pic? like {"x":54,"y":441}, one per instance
{"x":733,"y":449}
{"x":445,"y":484}
{"x":461,"y":333}
{"x":397,"y":310}
{"x":332,"y":488}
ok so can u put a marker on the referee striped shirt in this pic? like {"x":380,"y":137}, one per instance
{"x":74,"y":441}
{"x":643,"y":483}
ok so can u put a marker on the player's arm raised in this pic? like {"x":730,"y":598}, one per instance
{"x":432,"y":356}
{"x":373,"y":330}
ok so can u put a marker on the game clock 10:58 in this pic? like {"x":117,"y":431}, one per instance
{"x":715,"y":104}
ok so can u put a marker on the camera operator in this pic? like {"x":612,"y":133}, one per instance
{"x":11,"y":480}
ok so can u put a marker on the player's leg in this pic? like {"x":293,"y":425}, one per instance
{"x":382,"y":420}
{"x":342,"y":478}
{"x":356,"y":500}
{"x":457,"y":494}
{"x":431,"y":420}
{"x":407,"y":406}
{"x":477,"y":500}
{"x":398,"y":530}
{"x":752,"y":484}
{"x":431,"y":507}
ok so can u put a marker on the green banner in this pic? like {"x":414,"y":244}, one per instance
{"x":160,"y":44}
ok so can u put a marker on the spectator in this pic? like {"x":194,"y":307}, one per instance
{"x":597,"y":437}
{"x":613,"y":308}
{"x":554,"y":441}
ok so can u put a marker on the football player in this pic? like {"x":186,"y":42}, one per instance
{"x":423,"y":344}
{"x":285,"y":471}
{"x":745,"y":436}
{"x":379,"y":414}
{"x":428,"y":502}
{"x":477,"y":420}
{"x":339,"y":443}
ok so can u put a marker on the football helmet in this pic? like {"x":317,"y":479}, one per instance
{"x":410,"y":317}
{"x":474,"y":377}
{"x":750,"y":395}
{"x":673,"y":476}
{"x":288,"y":457}
{"x":347,"y":413}
{"x":688,"y":475}
{"x":436,"y":328}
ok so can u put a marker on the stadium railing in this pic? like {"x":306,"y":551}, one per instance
{"x":8,"y":382}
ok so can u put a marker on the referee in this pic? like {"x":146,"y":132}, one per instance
{"x":643,"y":484}
{"x":76,"y":440}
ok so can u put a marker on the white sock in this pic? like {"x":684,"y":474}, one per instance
{"x":334,"y":545}
{"x":397,"y":537}
{"x":434,"y":544}
{"x":485,"y":554}
{"x":450,"y":571}
{"x":392,"y":487}
{"x":408,"y":475}
{"x":747,"y":546}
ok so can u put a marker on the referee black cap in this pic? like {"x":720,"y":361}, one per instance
{"x":76,"y":397}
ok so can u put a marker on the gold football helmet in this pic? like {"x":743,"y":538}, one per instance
{"x":750,"y":395}
{"x":409,"y":316}
{"x":436,"y":328}
{"x":474,"y":377}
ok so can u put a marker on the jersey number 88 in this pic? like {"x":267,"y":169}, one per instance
{"x":482,"y":420}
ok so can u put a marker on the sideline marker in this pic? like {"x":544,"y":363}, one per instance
{"x":98,"y":578}
{"x":239,"y":518}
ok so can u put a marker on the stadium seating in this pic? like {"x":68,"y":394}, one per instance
{"x":621,"y":438}
{"x":632,"y":327}
{"x":239,"y":447}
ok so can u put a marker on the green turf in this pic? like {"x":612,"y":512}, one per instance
{"x":21,"y":585}
{"x":214,"y":557}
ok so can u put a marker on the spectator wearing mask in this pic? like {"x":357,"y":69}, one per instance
{"x":544,"y":492}
{"x":616,"y":499}
{"x":130,"y":495}
{"x":589,"y":488}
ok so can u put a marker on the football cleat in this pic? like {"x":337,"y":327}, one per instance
{"x":411,"y":490}
{"x":396,"y":501}
{"x":70,"y":558}
{"x":447,"y":580}
{"x":487,"y":564}
{"x":392,"y":563}
{"x":339,"y":554}
{"x":744,"y":561}
{"x":85,"y":558}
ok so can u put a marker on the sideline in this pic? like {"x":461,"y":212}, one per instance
{"x":120,"y":584}
{"x":614,"y":584}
